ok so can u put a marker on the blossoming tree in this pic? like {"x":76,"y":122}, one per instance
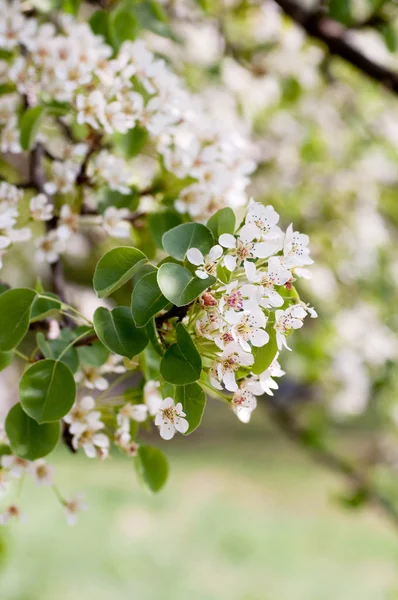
{"x":110,"y":162}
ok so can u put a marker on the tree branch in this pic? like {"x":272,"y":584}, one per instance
{"x":320,"y":453}
{"x":335,"y":36}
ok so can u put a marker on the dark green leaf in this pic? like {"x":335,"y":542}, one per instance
{"x":123,"y":26}
{"x":180,"y":239}
{"x":115,"y":268}
{"x":178,"y":284}
{"x":47,"y":390}
{"x":161,"y":222}
{"x":114,"y":198}
{"x":193,"y":400}
{"x":147,"y":299}
{"x":29,"y":126}
{"x":181,"y":363}
{"x":132,"y":142}
{"x":99,"y":23}
{"x":117,"y":331}
{"x":43,"y":308}
{"x":223,"y":221}
{"x":15,"y":308}
{"x":5,"y":359}
{"x":152,"y":467}
{"x":54,"y":348}
{"x":28,"y":439}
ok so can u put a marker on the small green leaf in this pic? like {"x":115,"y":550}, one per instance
{"x":180,"y":239}
{"x":15,"y":309}
{"x":28,"y":439}
{"x":193,"y":400}
{"x":55,"y":348}
{"x":147,"y":299}
{"x":42,"y":308}
{"x":47,"y":390}
{"x":117,"y":331}
{"x":99,"y":23}
{"x":115,"y":268}
{"x":123,"y":26}
{"x":5,"y":359}
{"x":94,"y":355}
{"x":178,"y":284}
{"x":223,"y":221}
{"x":181,"y":363}
{"x":152,"y":467}
{"x":161,"y":222}
{"x":132,"y":142}
{"x":29,"y":126}
{"x":114,"y":198}
{"x":264,"y":356}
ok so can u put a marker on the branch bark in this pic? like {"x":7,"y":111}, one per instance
{"x":336,"y":37}
{"x":320,"y":453}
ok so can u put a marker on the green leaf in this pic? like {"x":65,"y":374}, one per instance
{"x":99,"y":23}
{"x":264,"y":356}
{"x":152,"y":467}
{"x":28,"y":439}
{"x":132,"y":142}
{"x":147,"y":299}
{"x":94,"y":355}
{"x":181,"y":363}
{"x":341,"y":11}
{"x":115,"y":268}
{"x":47,"y":390}
{"x":180,"y":239}
{"x":15,"y":308}
{"x":29,"y":126}
{"x":178,"y":284}
{"x":161,"y":222}
{"x":390,"y":36}
{"x":223,"y":221}
{"x":123,"y":26}
{"x":117,"y":331}
{"x":71,"y":6}
{"x":5,"y":359}
{"x":54,"y":348}
{"x":193,"y":400}
{"x":43,"y":308}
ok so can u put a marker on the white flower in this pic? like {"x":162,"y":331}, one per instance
{"x":243,"y":403}
{"x":67,"y":223}
{"x":295,"y":250}
{"x":276,"y":274}
{"x":170,"y":419}
{"x":260,"y":223}
{"x":63,"y":177}
{"x":286,"y":320}
{"x":91,"y":378}
{"x":248,"y":327}
{"x":208,"y":263}
{"x":91,"y":109}
{"x":238,"y":251}
{"x":42,"y":473}
{"x":73,"y":506}
{"x":15,"y":466}
{"x":77,"y":418}
{"x":227,"y":364}
{"x":49,"y":247}
{"x":12,"y":512}
{"x":152,"y":397}
{"x":114,"y":222}
{"x":40,"y":208}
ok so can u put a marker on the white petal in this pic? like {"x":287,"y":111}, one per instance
{"x":230,"y":263}
{"x":249,"y":232}
{"x":181,"y":425}
{"x":195,"y":256}
{"x":229,"y":381}
{"x":250,"y":269}
{"x":259,"y":338}
{"x":201,"y":274}
{"x":227,"y":240}
{"x":167,"y":431}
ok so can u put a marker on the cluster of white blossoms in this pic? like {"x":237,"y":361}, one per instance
{"x":105,"y":94}
{"x":242,"y":316}
{"x":10,"y":197}
{"x":14,"y":468}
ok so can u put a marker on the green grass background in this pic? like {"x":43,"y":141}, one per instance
{"x":242,"y":518}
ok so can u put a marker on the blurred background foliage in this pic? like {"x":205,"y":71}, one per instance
{"x":245,"y":517}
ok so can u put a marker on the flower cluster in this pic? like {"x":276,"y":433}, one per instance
{"x":257,"y":309}
{"x":105,"y":95}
